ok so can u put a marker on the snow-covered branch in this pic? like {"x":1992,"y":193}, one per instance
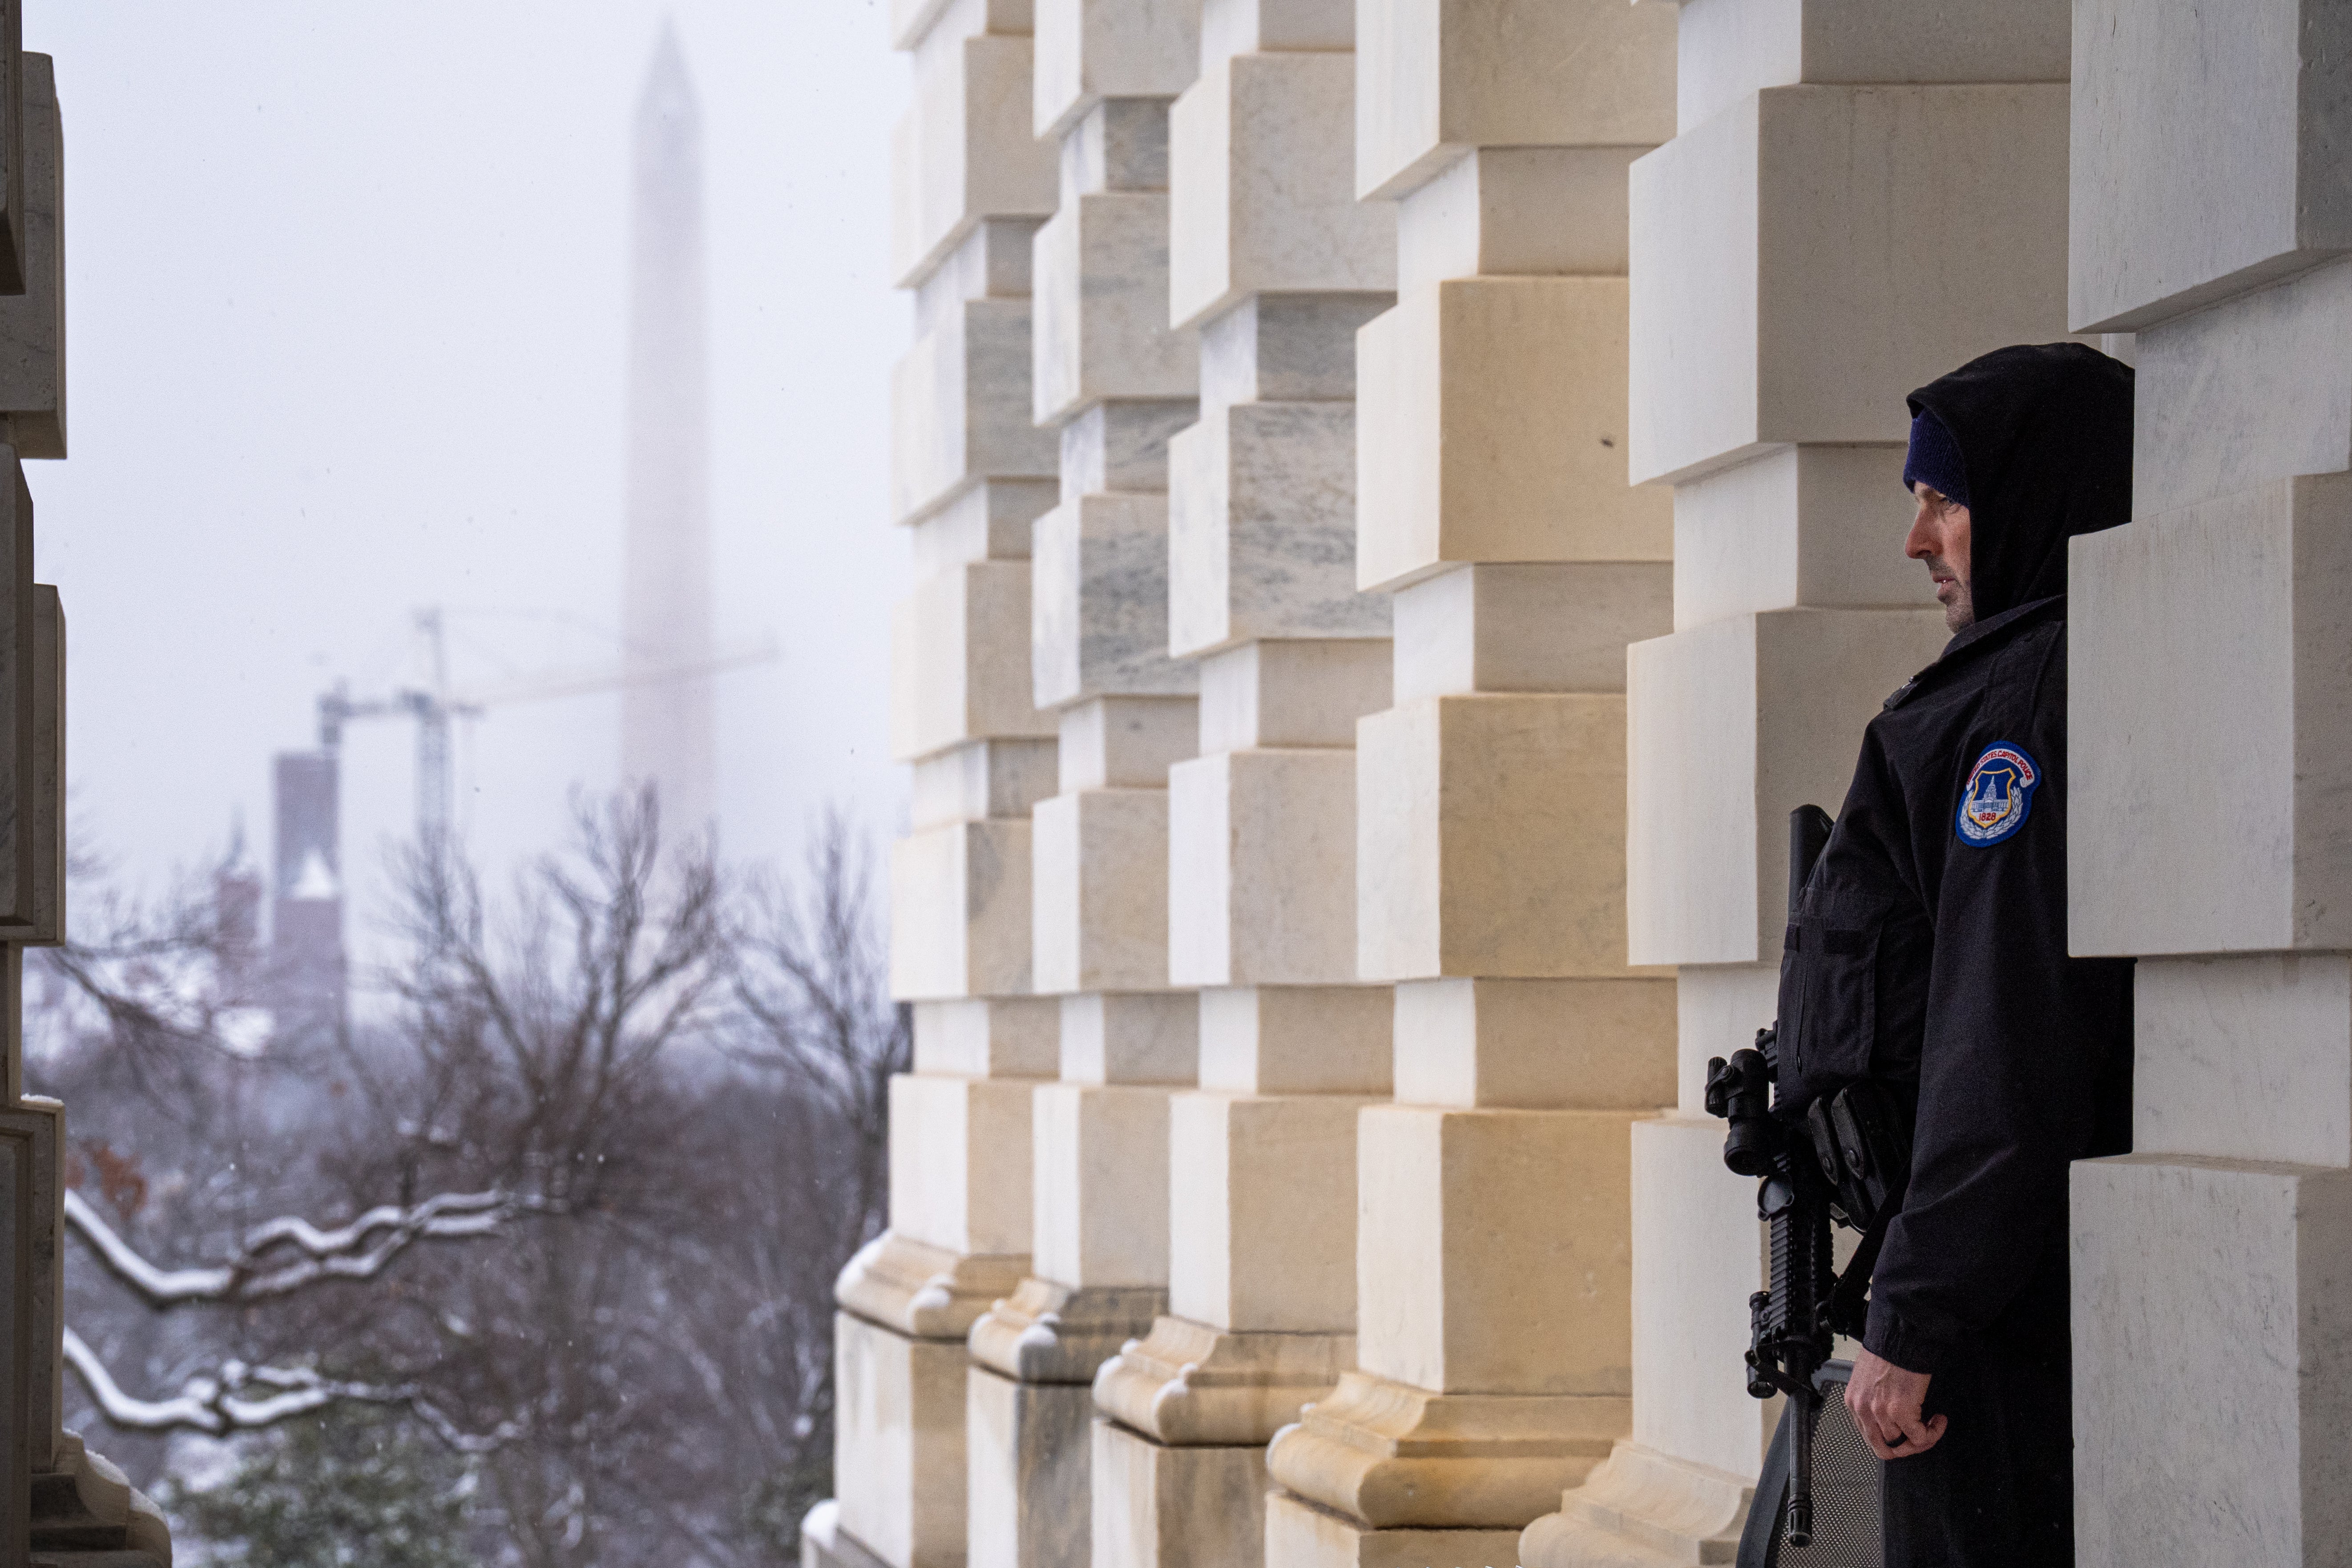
{"x":241,"y":1398}
{"x":359,"y":1250}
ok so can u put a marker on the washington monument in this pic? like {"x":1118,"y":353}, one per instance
{"x":668,"y":724}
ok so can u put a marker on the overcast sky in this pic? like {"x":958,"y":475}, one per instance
{"x":346,"y":294}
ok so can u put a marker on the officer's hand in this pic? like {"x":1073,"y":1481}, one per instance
{"x":1885,"y":1401}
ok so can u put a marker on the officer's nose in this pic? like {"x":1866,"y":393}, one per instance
{"x":1924,"y":540}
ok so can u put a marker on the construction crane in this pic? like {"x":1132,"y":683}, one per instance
{"x":434,"y":708}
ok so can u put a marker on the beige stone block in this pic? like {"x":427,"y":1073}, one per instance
{"x":960,"y":911}
{"x":1640,"y":1506}
{"x":1030,"y":1493}
{"x":1490,"y":839}
{"x":1088,"y":50}
{"x":2227,"y":740}
{"x":1526,"y":629}
{"x":33,"y":324}
{"x":1045,"y":1332}
{"x":1435,"y":80}
{"x":1190,"y":1384}
{"x":1126,"y":743}
{"x":1810,"y":526}
{"x":1291,"y":692}
{"x":1493,"y":429}
{"x":1100,"y":884}
{"x":1262,"y":1235}
{"x":1504,"y":1262}
{"x":918,"y":24}
{"x":1101,"y":1185}
{"x":1731,"y":726}
{"x":988,"y":520}
{"x":1159,"y":1507}
{"x":927,"y":1292}
{"x":1811,"y":327}
{"x":1698,"y":1255}
{"x":1261,"y":889}
{"x":1297,"y":1040}
{"x":1099,"y":602}
{"x":1718,"y":1008}
{"x":965,"y":150}
{"x":1548,"y":1045}
{"x":1001,"y":1036}
{"x":994,"y":261}
{"x":1119,"y":144}
{"x":1300,"y":1535}
{"x":2203,"y":163}
{"x":960,"y":409}
{"x":1517,"y":211}
{"x":1111,"y":1037}
{"x":898,"y":1444}
{"x":1285,"y":348}
{"x":1262,"y":528}
{"x":1260,"y":159}
{"x":957,"y":673}
{"x":982,"y":778}
{"x":1122,"y":447}
{"x":2247,"y":1058}
{"x":1229,"y":28}
{"x":2222,"y":1289}
{"x":959,"y":1162}
{"x":1102,"y":307}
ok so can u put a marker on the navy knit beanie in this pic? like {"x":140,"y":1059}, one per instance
{"x":1935,"y":458}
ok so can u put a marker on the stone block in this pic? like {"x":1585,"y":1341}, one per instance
{"x":2227,"y":740}
{"x":1261,"y":885}
{"x":1732,"y":726}
{"x":1526,"y":629}
{"x":1812,"y":326}
{"x":898,"y":1444}
{"x":1030,"y":1495}
{"x":1504,"y":1262}
{"x":1100,"y":891}
{"x":46,"y":807}
{"x":1229,"y":28}
{"x":1718,"y":1010}
{"x":1264,"y":1238}
{"x":1300,"y":1535}
{"x":1102,"y":326}
{"x":1130,"y":1038}
{"x":1121,"y":447}
{"x":1701,"y":1254}
{"x":1119,"y":144}
{"x":1640,"y":1506}
{"x":824,"y":1544}
{"x":1099,"y":595}
{"x":957,"y":669}
{"x":1435,"y":80}
{"x":1297,"y":1040}
{"x":1262,"y":528}
{"x":981,"y":779}
{"x":2222,"y":1289}
{"x":28,"y":853}
{"x":2247,"y":1058}
{"x":1285,"y":348}
{"x":965,"y":150}
{"x":1291,"y":692}
{"x":1001,"y":1036}
{"x":960,"y":911}
{"x":994,"y":261}
{"x":1157,"y":1507}
{"x":1191,"y":1385}
{"x":988,"y":520}
{"x":1730,"y":49}
{"x":1517,"y":211}
{"x":1260,"y":160}
{"x":1126,"y":743}
{"x":960,"y":409}
{"x":1493,"y":429}
{"x":959,"y":1163}
{"x":1490,"y":839}
{"x":1101,"y":1185}
{"x":2204,"y":162}
{"x":1045,"y":1332}
{"x":933,"y":23}
{"x":33,"y":324}
{"x":1088,"y":50}
{"x":1547,"y":1044}
{"x":1810,"y":527}
{"x":927,"y":1292}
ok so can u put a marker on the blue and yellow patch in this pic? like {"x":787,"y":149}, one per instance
{"x":1998,"y":796}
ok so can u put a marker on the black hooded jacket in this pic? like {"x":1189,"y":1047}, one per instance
{"x":1929,"y":947}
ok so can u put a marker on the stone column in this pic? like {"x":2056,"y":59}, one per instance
{"x":2211,"y":774}
{"x":1114,"y":381}
{"x":1792,"y":278}
{"x":1494,"y":512}
{"x":1277,"y":266}
{"x":969,"y":474}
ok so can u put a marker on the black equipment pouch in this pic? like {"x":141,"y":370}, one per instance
{"x":1862,"y":1138}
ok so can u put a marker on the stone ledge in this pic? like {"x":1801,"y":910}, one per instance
{"x":1390,"y":1456}
{"x":1642,"y":1509}
{"x":1300,"y":1535}
{"x":924,"y":1291}
{"x":1044,"y":1332}
{"x":1186,"y":1384}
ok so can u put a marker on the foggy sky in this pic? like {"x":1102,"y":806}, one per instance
{"x":346,"y":294}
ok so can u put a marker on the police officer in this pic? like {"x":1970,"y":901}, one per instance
{"x":1930,"y":952}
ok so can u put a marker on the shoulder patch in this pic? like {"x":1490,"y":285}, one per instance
{"x":1998,"y":796}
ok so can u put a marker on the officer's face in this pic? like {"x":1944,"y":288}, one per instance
{"x":1939,"y":536}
